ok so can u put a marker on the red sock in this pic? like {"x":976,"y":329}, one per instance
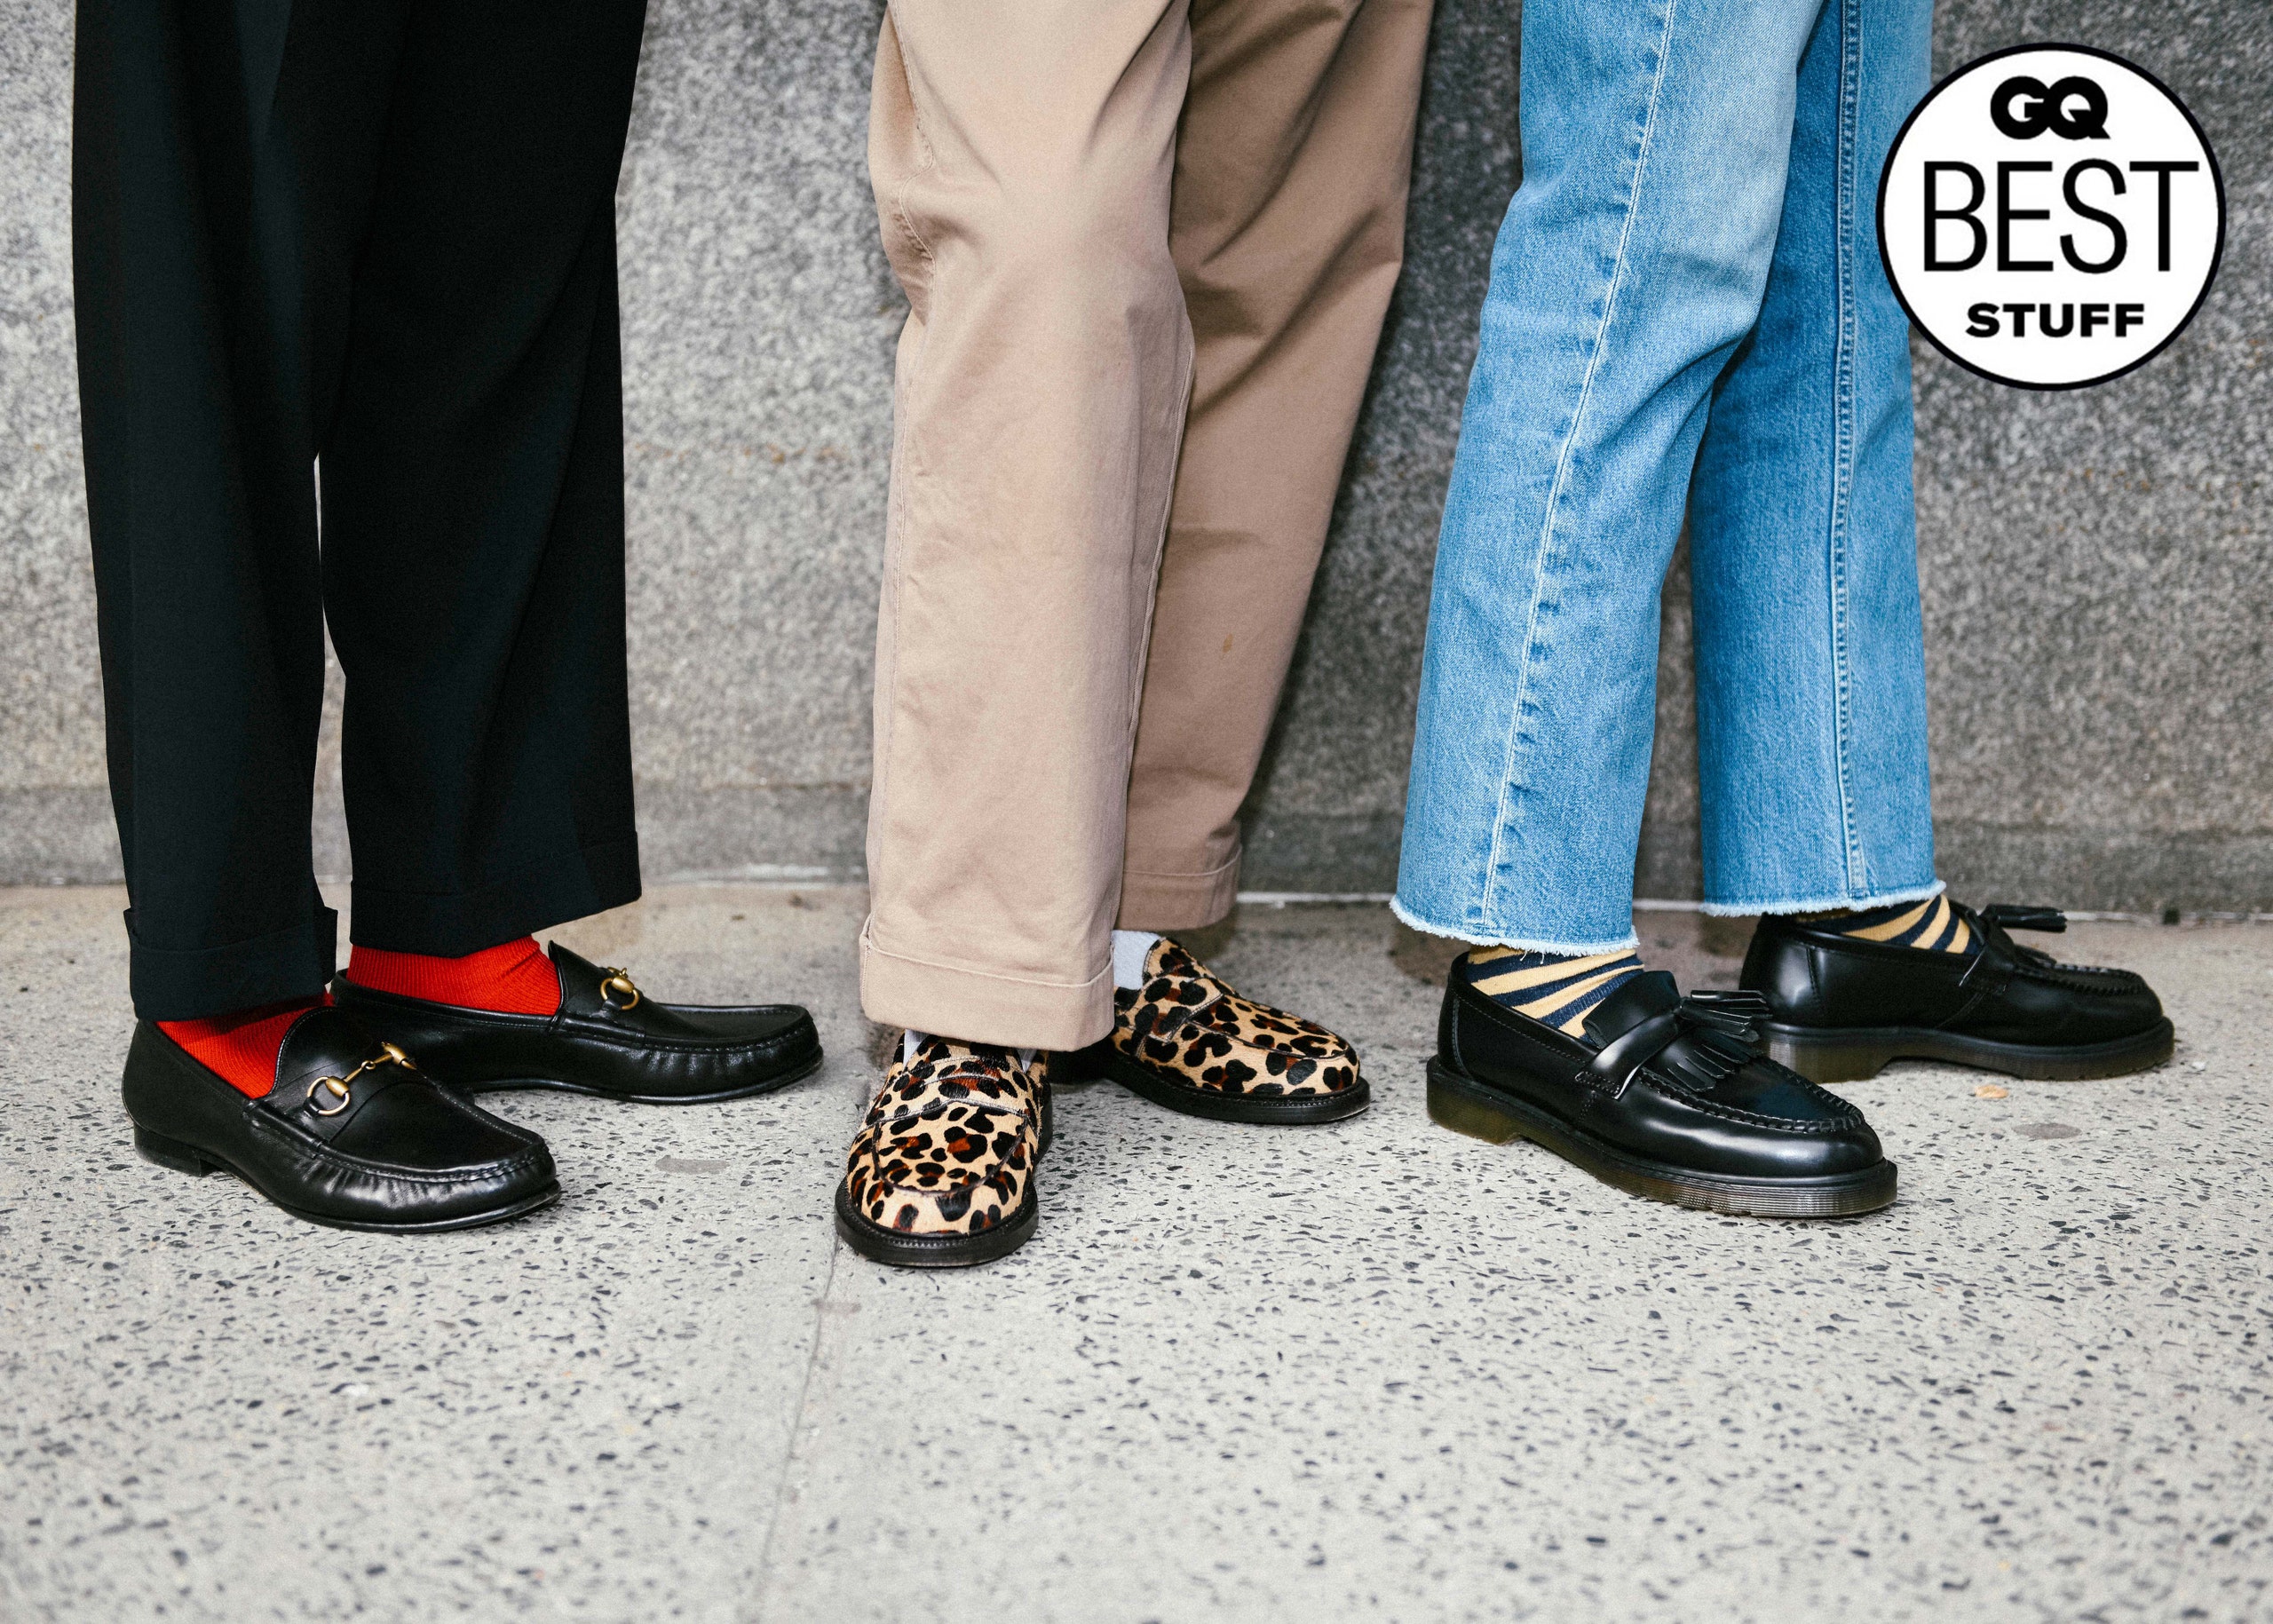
{"x":242,"y":1047}
{"x":511,"y":978}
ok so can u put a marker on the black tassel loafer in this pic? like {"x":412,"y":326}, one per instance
{"x":1664,"y":1096}
{"x":1840,"y":1008}
{"x":352,"y":1135}
{"x":607,"y":1038}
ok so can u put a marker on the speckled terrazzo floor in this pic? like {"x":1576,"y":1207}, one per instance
{"x":1372,"y":1370}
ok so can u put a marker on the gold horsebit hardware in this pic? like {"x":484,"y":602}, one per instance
{"x":337,"y":1086}
{"x":618,"y":982}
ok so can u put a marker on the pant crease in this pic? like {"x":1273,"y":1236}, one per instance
{"x":1503,"y":818}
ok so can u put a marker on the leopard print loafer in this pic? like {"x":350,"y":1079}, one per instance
{"x":941,"y":1173}
{"x":1186,"y":1040}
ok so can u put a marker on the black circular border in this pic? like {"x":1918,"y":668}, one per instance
{"x":2217,"y":180}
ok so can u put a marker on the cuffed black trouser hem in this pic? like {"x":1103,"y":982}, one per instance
{"x":192,"y":984}
{"x":452,"y":925}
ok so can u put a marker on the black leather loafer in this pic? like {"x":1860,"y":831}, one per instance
{"x":1840,"y":1008}
{"x":607,"y":1038}
{"x":353,"y":1134}
{"x":1666,"y":1096}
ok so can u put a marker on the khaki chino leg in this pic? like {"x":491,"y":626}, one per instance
{"x":1108,"y":216}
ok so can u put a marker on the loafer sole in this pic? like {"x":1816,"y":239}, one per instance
{"x":1466,"y":1106}
{"x":1845,"y":1054}
{"x":196,"y":1161}
{"x":764,"y":1085}
{"x":901,"y":1250}
{"x":1292,"y":1111}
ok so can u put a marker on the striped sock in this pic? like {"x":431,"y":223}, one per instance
{"x":1558,"y":989}
{"x":1933,"y":925}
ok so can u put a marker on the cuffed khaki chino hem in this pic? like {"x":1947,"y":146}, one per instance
{"x":1177,"y":901}
{"x":933,"y":997}
{"x":1128,"y":231}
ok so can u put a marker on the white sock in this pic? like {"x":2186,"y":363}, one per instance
{"x":1130,"y":948}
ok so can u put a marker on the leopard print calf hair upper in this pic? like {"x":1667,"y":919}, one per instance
{"x":1184,"y":1025}
{"x":949,"y":1145}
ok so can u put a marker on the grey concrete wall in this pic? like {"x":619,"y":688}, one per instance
{"x":2098,"y":576}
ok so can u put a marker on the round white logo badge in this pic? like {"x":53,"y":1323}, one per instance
{"x":2051,"y":217}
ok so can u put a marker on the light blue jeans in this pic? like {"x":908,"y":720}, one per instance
{"x":1686,"y":306}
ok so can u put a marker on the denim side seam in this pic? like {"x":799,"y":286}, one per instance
{"x":1851,"y":50}
{"x":1504,"y":816}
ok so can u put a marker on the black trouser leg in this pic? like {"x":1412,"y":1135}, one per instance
{"x":247,"y":181}
{"x":214,"y":218}
{"x":473,"y":487}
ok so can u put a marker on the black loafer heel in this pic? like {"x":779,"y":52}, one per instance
{"x":172,"y":1154}
{"x":1466,"y":1107}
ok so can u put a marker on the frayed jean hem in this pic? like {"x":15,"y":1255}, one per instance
{"x":1820,"y":905}
{"x":1521,"y":944}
